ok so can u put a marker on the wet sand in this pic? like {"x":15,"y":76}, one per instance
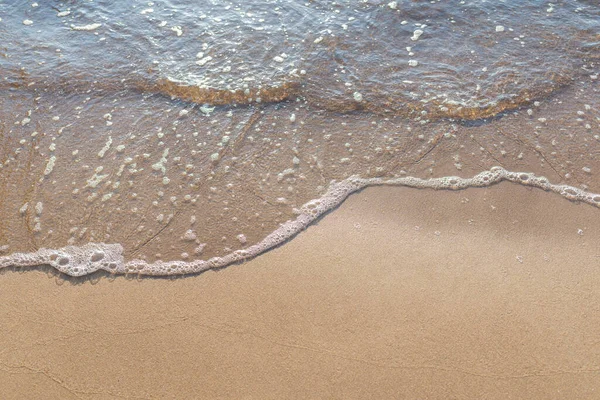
{"x":400,"y":293}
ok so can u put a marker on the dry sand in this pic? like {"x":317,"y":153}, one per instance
{"x":400,"y":293}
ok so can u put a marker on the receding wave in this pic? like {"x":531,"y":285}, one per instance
{"x":193,"y":182}
{"x":190,"y":132}
{"x":79,"y":261}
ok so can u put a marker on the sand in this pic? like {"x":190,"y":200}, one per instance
{"x":400,"y":293}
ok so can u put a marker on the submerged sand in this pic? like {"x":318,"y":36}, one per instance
{"x":400,"y":293}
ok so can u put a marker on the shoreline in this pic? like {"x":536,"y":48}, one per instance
{"x":91,"y":257}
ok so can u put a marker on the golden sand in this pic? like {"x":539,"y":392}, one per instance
{"x":400,"y":293}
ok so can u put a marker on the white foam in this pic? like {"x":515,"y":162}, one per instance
{"x":177,"y":29}
{"x":160,"y":165}
{"x":89,"y":27}
{"x":103,"y":150}
{"x":23,"y":208}
{"x":71,"y":260}
{"x":96,"y":178}
{"x":78,"y":261}
{"x":416,"y":34}
{"x":50,"y":165}
{"x":189,"y":235}
{"x":204,"y":60}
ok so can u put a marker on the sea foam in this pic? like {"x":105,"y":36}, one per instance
{"x":86,"y":259}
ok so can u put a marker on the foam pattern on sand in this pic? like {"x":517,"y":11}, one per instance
{"x":71,"y":260}
{"x":79,"y":261}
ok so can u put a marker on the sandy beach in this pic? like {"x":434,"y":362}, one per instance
{"x":400,"y":293}
{"x":148,"y":148}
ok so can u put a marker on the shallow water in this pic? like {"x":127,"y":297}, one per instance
{"x":183,"y":132}
{"x":463,"y":59}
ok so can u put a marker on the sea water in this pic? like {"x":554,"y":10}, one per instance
{"x":171,"y":137}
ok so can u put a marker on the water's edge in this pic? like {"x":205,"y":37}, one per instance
{"x":89,"y":258}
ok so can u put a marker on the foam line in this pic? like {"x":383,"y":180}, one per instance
{"x":83,"y":260}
